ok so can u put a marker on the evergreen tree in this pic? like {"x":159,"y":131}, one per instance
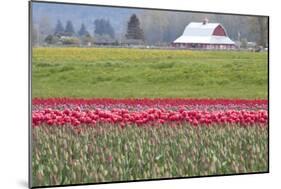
{"x":59,"y":30}
{"x":83,"y":31}
{"x":103,"y":27}
{"x":109,"y":29}
{"x":69,"y":29}
{"x":134,"y":30}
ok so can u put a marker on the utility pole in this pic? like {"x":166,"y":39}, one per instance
{"x":238,"y":39}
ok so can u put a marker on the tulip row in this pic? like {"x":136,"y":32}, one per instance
{"x":152,"y":116}
{"x":147,"y":101}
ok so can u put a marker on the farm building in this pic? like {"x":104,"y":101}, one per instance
{"x":204,"y":35}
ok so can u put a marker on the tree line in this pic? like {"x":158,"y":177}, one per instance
{"x":103,"y":33}
{"x":153,"y":28}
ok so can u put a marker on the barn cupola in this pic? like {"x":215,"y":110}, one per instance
{"x":205,"y":21}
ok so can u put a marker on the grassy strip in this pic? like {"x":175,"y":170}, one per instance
{"x":138,"y":73}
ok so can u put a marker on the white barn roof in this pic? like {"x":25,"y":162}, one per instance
{"x":197,"y":32}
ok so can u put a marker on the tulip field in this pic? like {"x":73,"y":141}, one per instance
{"x":102,"y":140}
{"x":122,"y":114}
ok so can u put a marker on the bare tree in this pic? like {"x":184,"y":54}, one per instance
{"x":44,"y":29}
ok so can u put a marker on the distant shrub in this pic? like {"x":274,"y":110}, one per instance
{"x":51,"y":39}
{"x":244,"y":43}
{"x":70,"y":41}
{"x":87,"y":40}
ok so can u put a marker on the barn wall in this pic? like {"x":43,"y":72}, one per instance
{"x":219,"y":31}
{"x":203,"y":46}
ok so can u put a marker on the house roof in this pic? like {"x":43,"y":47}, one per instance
{"x":196,"y":32}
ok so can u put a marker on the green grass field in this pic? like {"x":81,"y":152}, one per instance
{"x":137,"y":73}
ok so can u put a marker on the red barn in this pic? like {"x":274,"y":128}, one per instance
{"x":204,"y":35}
